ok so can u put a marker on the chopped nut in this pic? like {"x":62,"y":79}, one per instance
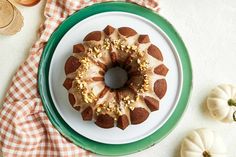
{"x":134,"y":47}
{"x":96,"y":49}
{"x":131,"y":108}
{"x":99,"y":109}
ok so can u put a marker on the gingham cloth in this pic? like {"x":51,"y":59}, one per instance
{"x":25,"y":129}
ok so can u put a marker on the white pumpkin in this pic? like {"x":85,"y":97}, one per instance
{"x":221,"y":103}
{"x":203,"y":143}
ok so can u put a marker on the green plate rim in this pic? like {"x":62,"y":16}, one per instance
{"x":64,"y":128}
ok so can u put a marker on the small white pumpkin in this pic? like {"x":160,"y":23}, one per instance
{"x":221,"y":103}
{"x":203,"y":143}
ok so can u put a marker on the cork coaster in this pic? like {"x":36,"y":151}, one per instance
{"x":6,"y":13}
{"x":12,"y":19}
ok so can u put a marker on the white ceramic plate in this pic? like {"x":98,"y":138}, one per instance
{"x":115,"y":135}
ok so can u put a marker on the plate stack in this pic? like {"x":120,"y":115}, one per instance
{"x":114,"y":141}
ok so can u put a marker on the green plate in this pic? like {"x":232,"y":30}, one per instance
{"x":64,"y":128}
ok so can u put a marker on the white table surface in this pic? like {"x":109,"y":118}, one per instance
{"x":208,"y":28}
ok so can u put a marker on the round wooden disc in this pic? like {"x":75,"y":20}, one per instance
{"x":6,"y":13}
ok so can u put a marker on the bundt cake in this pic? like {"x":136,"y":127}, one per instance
{"x":102,"y":51}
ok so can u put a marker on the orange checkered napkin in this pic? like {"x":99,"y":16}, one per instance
{"x":25,"y":129}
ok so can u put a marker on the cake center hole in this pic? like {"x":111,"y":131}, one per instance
{"x":115,"y":77}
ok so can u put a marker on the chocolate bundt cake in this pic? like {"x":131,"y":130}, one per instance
{"x":108,"y":106}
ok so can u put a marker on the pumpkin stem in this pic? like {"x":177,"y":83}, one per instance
{"x":234,"y":116}
{"x":206,"y":154}
{"x":232,"y":102}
